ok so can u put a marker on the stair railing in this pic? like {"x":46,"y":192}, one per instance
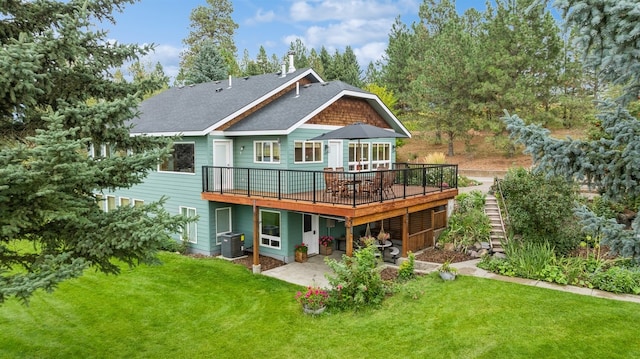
{"x":497,"y":181}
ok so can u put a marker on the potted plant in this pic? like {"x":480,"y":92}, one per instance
{"x":313,"y":300}
{"x":301,"y":252}
{"x":325,"y":245}
{"x":446,"y":271}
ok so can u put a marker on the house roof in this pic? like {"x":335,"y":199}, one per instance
{"x":200,"y":109}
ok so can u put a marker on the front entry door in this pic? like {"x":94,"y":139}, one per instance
{"x":310,"y":235}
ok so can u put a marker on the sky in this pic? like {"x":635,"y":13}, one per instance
{"x":274,"y":24}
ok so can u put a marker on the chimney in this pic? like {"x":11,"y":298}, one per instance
{"x":292,"y":68}
{"x":283,"y":73}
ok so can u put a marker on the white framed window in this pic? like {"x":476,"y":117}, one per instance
{"x":181,"y":160}
{"x":358,"y":157}
{"x":111,"y":203}
{"x":100,"y":201}
{"x":307,"y":152}
{"x":223,"y":222}
{"x":270,"y":229}
{"x":190,"y":230}
{"x":380,"y":155}
{"x":266,"y":152}
{"x":125,"y":202}
{"x":138,"y":203}
{"x":99,"y":151}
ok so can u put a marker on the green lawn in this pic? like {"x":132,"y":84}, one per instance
{"x":204,"y":308}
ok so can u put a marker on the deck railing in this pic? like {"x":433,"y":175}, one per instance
{"x":356,"y":188}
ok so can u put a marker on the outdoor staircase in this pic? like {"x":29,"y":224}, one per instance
{"x":497,"y":235}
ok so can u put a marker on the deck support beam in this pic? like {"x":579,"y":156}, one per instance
{"x":256,"y":239}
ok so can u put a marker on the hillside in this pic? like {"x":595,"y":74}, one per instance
{"x":483,"y":157}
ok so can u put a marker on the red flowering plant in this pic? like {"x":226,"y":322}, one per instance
{"x":326,"y":241}
{"x":302,"y":248}
{"x":313,"y":298}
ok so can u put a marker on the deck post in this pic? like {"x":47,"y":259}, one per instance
{"x":257,"y":268}
{"x":405,"y":233}
{"x":349,"y":226}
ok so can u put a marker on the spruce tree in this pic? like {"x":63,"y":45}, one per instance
{"x":606,"y":31}
{"x":57,"y":100}
{"x":208,"y":65}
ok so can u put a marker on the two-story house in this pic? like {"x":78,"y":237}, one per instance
{"x":246,"y":163}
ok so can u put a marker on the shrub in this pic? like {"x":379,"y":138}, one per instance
{"x":435,"y":158}
{"x":357,"y":283}
{"x":541,"y":209}
{"x":468,"y":223}
{"x":406,"y":269}
{"x":529,"y":259}
{"x":618,"y":280}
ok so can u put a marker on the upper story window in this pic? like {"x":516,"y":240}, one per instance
{"x":99,"y":151}
{"x":381,"y":155}
{"x":307,"y":151}
{"x":358,"y":156}
{"x":266,"y":151}
{"x":181,"y":160}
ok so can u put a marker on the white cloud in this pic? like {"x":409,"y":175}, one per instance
{"x":370,"y":53}
{"x":168,"y":56}
{"x":362,"y":24}
{"x":261,"y":16}
{"x":343,"y":10}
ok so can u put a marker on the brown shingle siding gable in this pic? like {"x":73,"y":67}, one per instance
{"x":348,"y":110}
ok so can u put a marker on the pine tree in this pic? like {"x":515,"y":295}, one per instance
{"x":211,"y":23}
{"x":606,"y":32}
{"x":57,"y":99}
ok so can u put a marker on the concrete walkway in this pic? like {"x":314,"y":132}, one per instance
{"x":313,"y":273}
{"x":314,"y":270}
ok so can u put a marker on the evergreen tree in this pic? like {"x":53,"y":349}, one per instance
{"x":346,"y":67}
{"x":208,"y":65}
{"x":606,"y":32}
{"x":316,"y":63}
{"x":212,"y":23}
{"x":57,"y":99}
{"x":300,"y":57}
{"x":446,"y":71}
{"x":327,"y":64}
{"x":395,"y":74}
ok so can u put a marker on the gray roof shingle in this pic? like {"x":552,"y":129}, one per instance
{"x":200,"y":107}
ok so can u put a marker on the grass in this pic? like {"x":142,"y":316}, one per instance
{"x":196,"y":308}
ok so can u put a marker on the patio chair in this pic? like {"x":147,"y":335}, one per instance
{"x":333,"y":182}
{"x":387,"y":183}
{"x":375,"y":184}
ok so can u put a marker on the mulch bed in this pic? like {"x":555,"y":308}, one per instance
{"x":266,"y":263}
{"x":436,"y":255}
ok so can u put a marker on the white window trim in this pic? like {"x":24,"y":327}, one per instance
{"x":136,"y":200}
{"x":194,"y":160}
{"x":353,"y":165}
{"x":106,"y":203}
{"x":195,"y":228}
{"x":255,"y":144}
{"x":308,"y":143}
{"x":218,"y":242}
{"x":377,"y":163}
{"x":270,"y":238}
